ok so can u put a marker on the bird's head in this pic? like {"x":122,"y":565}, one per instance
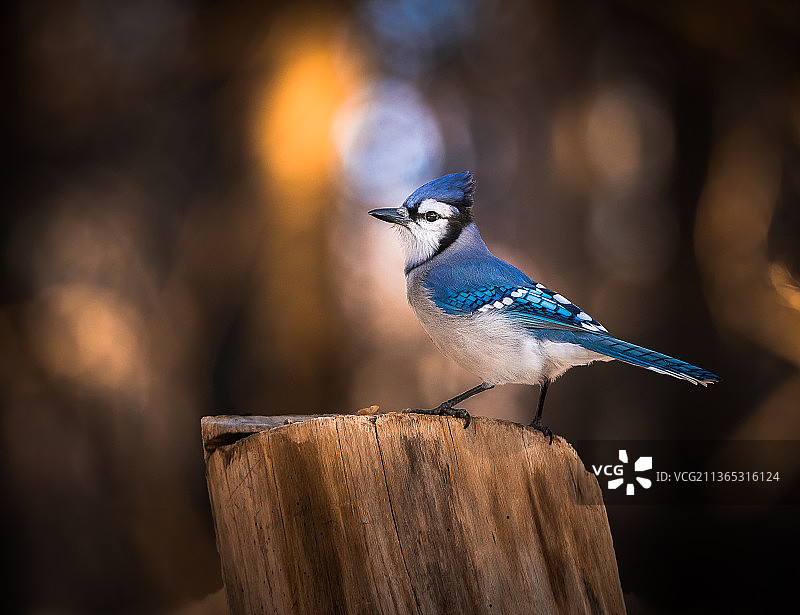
{"x":432,"y":218}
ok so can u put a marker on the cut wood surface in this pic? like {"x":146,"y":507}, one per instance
{"x":405,"y":513}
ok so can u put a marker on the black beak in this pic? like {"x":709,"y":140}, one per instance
{"x":395,"y":215}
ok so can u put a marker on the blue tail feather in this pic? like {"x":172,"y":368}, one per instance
{"x":650,"y":359}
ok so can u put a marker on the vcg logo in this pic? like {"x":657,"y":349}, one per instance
{"x":642,"y":464}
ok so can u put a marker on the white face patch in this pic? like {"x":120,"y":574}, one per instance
{"x":443,"y":209}
{"x":422,"y":237}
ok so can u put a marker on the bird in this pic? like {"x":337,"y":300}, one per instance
{"x":490,"y":317}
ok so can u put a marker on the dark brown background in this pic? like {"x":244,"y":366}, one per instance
{"x":184,"y":233}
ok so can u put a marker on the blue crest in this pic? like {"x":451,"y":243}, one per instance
{"x":455,"y":189}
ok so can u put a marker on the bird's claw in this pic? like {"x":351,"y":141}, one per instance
{"x":546,"y":431}
{"x":458,"y":413}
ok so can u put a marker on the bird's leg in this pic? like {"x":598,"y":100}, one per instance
{"x":446,"y":407}
{"x":536,"y":423}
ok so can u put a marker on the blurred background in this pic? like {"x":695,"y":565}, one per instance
{"x":184,"y":233}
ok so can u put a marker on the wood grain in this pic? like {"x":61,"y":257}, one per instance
{"x":405,"y":513}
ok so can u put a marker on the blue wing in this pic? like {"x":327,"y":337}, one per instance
{"x":536,"y":307}
{"x":533,"y":305}
{"x":480,"y":283}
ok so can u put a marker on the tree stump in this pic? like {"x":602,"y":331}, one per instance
{"x":405,"y":513}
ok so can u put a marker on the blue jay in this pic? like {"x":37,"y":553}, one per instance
{"x":487,"y":315}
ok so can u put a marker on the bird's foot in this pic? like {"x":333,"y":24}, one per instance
{"x":546,"y":431}
{"x":445,"y":410}
{"x":458,"y":413}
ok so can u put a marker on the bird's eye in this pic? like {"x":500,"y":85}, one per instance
{"x":432,"y":216}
